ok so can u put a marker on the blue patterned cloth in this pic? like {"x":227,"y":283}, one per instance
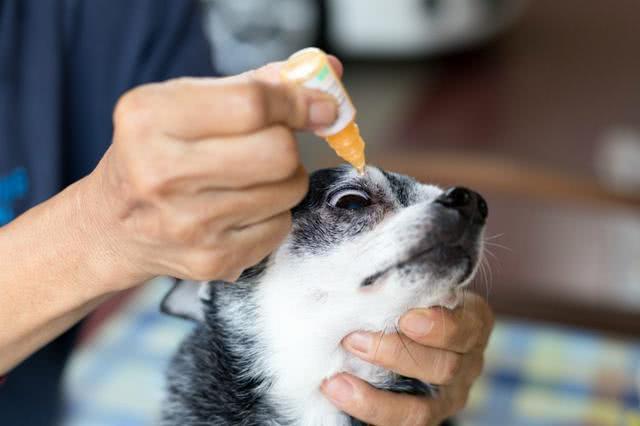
{"x":540,"y":375}
{"x":534,"y":376}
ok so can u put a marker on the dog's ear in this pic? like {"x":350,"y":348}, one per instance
{"x":186,"y":300}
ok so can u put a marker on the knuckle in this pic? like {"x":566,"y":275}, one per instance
{"x":286,"y":223}
{"x":489,"y":315}
{"x":254,"y":101}
{"x":294,"y":192}
{"x":468,"y":341}
{"x":147,"y":182}
{"x":302,"y":185}
{"x":150,"y":174}
{"x":482,"y":311}
{"x":207,"y":265}
{"x":460,"y":402}
{"x":282,"y":222}
{"x":481,"y":330}
{"x":284,"y":152}
{"x":488,"y":319}
{"x":299,"y":189}
{"x":182,"y":81}
{"x":186,"y":230}
{"x":453,"y":334}
{"x":133,"y":112}
{"x":397,"y":351}
{"x":475,"y":337}
{"x":283,"y":226}
{"x":451,"y":368}
{"x":477,"y":367}
{"x":454,"y":329}
{"x":418,"y":416}
{"x":370,"y":410}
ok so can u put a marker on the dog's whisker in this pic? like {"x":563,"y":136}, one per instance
{"x":487,"y":284}
{"x":477,"y":278}
{"x":489,"y":270}
{"x":492,"y":244}
{"x":490,"y":253}
{"x":498,"y":263}
{"x":482,"y":276}
{"x":489,"y":280}
{"x":382,"y":333}
{"x":485,"y":281}
{"x":406,"y":348}
{"x":464,"y":305}
{"x":464,"y":298}
{"x":493,"y":237}
{"x":444,"y":333}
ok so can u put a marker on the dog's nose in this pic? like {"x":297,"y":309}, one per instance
{"x":469,"y":203}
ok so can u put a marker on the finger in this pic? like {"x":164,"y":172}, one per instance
{"x":225,"y":209}
{"x":193,"y":108}
{"x":227,"y":255}
{"x":398,"y":353}
{"x":452,"y":399}
{"x":231,"y":162}
{"x":254,"y":242}
{"x":459,"y":330}
{"x":336,"y":65}
{"x":373,"y":406}
{"x":270,"y":73}
{"x":260,"y":203}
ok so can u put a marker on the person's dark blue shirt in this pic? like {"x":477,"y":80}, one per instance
{"x":63,"y":65}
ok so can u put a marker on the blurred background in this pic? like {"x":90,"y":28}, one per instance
{"x":535,"y":104}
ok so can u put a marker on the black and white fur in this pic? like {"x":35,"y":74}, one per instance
{"x":362,"y":251}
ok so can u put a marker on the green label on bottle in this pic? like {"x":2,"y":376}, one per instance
{"x":323,"y":72}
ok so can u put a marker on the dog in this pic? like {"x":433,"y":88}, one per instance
{"x":362,"y":251}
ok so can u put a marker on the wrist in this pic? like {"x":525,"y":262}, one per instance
{"x":57,"y":263}
{"x":107,"y":261}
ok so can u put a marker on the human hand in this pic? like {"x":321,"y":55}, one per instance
{"x":446,"y":348}
{"x":201,"y":174}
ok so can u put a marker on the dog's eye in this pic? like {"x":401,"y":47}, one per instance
{"x":350,"y":199}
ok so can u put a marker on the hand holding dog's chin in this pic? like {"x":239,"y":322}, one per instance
{"x":446,"y":348}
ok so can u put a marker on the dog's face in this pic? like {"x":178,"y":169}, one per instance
{"x":370,"y":247}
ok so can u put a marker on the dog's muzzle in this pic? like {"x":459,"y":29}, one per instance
{"x":452,"y":241}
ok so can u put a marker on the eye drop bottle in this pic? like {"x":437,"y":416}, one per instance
{"x":310,"y":68}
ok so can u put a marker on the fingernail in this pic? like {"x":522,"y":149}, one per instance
{"x":322,"y":112}
{"x":360,"y":342}
{"x":339,"y":389}
{"x":417,"y":324}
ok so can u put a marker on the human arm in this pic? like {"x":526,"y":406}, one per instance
{"x":197,"y":184}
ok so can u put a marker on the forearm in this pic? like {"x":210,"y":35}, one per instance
{"x":55,"y":267}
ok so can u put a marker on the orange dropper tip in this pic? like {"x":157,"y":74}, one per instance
{"x":349,"y":146}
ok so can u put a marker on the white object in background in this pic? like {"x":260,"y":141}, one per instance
{"x":245,"y":34}
{"x":402,"y":28}
{"x":618,"y":160}
{"x":621,"y":242}
{"x":617,"y":163}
